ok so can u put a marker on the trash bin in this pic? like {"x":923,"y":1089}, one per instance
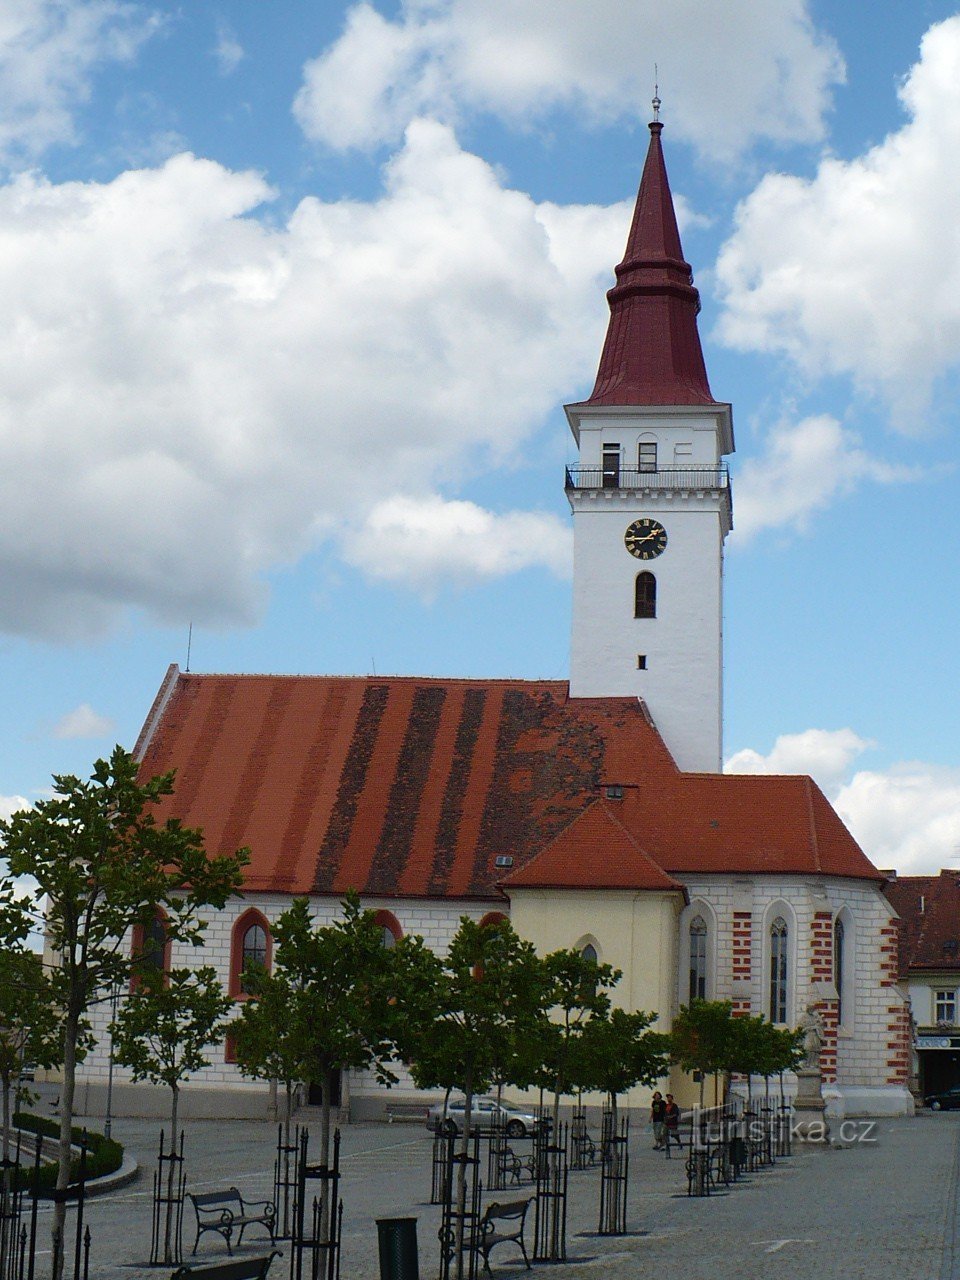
{"x":397,"y":1238}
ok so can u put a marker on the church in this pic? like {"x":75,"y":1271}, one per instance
{"x":592,"y":813}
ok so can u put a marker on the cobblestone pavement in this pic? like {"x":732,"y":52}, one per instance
{"x":881,"y":1208}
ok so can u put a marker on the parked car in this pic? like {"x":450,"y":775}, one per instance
{"x":949,"y":1100}
{"x":516,"y":1122}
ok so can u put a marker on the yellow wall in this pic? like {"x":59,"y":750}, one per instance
{"x":635,"y":932}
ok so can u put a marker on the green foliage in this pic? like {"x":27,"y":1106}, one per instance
{"x":576,"y":991}
{"x":617,"y":1051}
{"x":702,"y":1038}
{"x":30,"y":1023}
{"x":104,"y":1155}
{"x":468,"y":1014}
{"x":105,"y":863}
{"x":167,"y":1022}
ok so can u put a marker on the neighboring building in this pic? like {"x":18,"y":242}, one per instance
{"x":593,"y":814}
{"x":929,"y":955}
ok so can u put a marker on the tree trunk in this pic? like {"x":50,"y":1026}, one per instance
{"x":71,"y":1027}
{"x":6,"y":1120}
{"x":168,"y":1253}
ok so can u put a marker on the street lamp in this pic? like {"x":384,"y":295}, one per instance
{"x":108,"y":1121}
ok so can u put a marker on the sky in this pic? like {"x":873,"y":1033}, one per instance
{"x":293,"y":295}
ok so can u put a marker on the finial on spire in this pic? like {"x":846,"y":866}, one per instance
{"x":656,"y":94}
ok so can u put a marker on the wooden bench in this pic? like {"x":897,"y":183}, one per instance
{"x":236,"y":1269}
{"x":490,"y":1233}
{"x":225,"y":1211}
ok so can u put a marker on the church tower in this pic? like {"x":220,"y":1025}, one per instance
{"x":651,"y":496}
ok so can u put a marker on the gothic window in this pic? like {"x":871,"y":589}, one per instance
{"x":589,"y":952}
{"x":778,"y":970}
{"x":698,"y":959}
{"x":250,"y":944}
{"x":645,"y":596}
{"x":151,"y":946}
{"x":647,"y":455}
{"x":838,"y":965}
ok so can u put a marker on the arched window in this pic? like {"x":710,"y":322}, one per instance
{"x":838,"y":965}
{"x":589,"y":952}
{"x":647,"y":455}
{"x":251,"y":943}
{"x":698,"y":958}
{"x":151,"y":946}
{"x":390,"y":927}
{"x":778,"y":970}
{"x":645,"y":596}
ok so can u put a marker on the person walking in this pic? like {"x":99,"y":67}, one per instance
{"x":657,"y":1118}
{"x":671,"y":1119}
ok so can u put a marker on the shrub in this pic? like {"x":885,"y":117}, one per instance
{"x":103,"y":1154}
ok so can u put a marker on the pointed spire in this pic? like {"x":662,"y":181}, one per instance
{"x":652,"y":352}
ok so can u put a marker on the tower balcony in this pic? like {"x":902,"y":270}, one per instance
{"x":702,"y":479}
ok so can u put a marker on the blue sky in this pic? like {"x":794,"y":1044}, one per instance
{"x":293,"y":296}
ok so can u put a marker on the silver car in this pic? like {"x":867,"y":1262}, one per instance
{"x":515,"y":1121}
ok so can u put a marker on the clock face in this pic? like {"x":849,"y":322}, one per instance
{"x":645,"y":538}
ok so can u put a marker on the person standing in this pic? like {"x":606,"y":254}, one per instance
{"x":657,"y":1118}
{"x":671,"y":1118}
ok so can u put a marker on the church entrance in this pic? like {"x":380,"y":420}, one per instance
{"x":314,"y":1097}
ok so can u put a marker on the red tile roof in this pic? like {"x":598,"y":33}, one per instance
{"x":652,"y":353}
{"x":413,"y":787}
{"x":929,"y":911}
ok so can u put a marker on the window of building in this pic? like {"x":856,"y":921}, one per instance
{"x":250,"y":943}
{"x":645,"y":596}
{"x":151,"y":946}
{"x":611,"y":466}
{"x":698,"y":959}
{"x":838,"y":966}
{"x":589,"y":952}
{"x":390,"y":925}
{"x":778,"y":970}
{"x":647,"y":455}
{"x":945,"y":1006}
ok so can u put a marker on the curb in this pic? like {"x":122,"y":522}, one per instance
{"x":128,"y":1172}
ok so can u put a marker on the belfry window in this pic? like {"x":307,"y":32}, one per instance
{"x":778,"y":970}
{"x":647,"y":455}
{"x":698,"y":958}
{"x":645,"y":596}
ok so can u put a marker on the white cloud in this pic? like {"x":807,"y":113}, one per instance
{"x":82,"y":722}
{"x":729,"y":73}
{"x":825,"y":754}
{"x":189,"y":396}
{"x":49,"y":51}
{"x":857,"y":271}
{"x":906,"y":817}
{"x":9,"y":805}
{"x":804,"y":467}
{"x":425,"y":540}
{"x":228,"y":50}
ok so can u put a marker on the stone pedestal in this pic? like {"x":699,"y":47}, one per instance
{"x":809,"y":1118}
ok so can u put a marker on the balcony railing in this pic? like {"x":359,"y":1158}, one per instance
{"x":635,"y":478}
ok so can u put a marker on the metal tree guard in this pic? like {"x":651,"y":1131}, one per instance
{"x":317,"y":1228}
{"x":285,"y":1182}
{"x":169,"y":1183}
{"x":460,"y":1224}
{"x":550,"y":1230}
{"x":614,"y":1173}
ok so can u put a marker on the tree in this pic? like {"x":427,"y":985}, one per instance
{"x":161,"y":1032}
{"x":106,"y":864}
{"x":471,"y":1010}
{"x":577,"y":992}
{"x":701,"y":1038}
{"x":332,"y":987}
{"x":29,"y":1024}
{"x":618,"y":1051}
